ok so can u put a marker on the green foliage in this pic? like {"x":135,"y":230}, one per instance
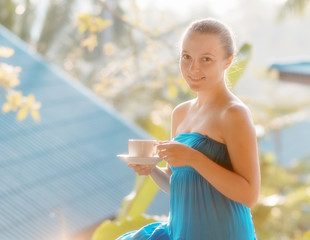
{"x":26,"y":19}
{"x":293,"y":7}
{"x":237,"y":68}
{"x":7,"y":8}
{"x":137,"y":202}
{"x":15,"y":101}
{"x":130,"y":216}
{"x":57,"y":17}
{"x":283,"y":211}
{"x":110,"y":230}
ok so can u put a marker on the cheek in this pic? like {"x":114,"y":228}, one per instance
{"x":184,"y":66}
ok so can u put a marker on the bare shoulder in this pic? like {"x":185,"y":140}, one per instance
{"x":181,"y":109}
{"x":236,"y":116}
{"x":236,"y":110}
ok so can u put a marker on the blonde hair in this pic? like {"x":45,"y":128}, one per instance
{"x":213,"y":26}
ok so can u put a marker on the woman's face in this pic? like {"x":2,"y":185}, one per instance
{"x":203,"y":61}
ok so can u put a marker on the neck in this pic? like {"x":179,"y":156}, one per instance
{"x":211,"y":95}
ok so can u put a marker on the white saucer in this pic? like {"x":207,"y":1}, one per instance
{"x":139,"y":160}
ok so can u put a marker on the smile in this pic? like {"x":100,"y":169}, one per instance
{"x":196,"y":78}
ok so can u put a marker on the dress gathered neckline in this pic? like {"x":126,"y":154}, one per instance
{"x":202,"y":135}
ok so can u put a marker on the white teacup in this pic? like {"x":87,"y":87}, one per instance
{"x":142,"y":148}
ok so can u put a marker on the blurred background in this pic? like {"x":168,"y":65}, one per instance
{"x":126,"y":52}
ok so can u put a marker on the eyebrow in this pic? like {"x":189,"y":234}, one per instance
{"x":184,"y":51}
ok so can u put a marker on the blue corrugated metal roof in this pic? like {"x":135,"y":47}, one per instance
{"x":302,"y":68}
{"x":61,"y":174}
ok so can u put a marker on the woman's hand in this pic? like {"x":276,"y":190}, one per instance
{"x":142,"y":169}
{"x":175,"y":153}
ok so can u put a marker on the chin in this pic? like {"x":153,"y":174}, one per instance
{"x":194,"y":86}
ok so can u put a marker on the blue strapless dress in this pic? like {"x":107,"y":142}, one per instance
{"x":197,"y":210}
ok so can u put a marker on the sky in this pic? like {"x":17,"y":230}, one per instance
{"x":220,"y":7}
{"x":183,"y":7}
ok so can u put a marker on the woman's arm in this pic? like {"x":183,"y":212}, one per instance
{"x":242,"y":184}
{"x":161,"y":176}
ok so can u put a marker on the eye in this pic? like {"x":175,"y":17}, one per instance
{"x":185,"y":56}
{"x":206,"y":59}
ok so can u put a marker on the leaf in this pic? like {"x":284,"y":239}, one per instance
{"x":110,"y":230}
{"x":82,"y":28}
{"x":173,"y":91}
{"x":35,"y":115}
{"x":237,"y":69}
{"x":306,"y":235}
{"x":139,"y":199}
{"x":6,"y":107}
{"x":83,"y":17}
{"x":22,"y":114}
{"x":31,"y":99}
{"x":293,"y":7}
{"x":102,"y":24}
{"x":83,"y":22}
{"x":6,"y":52}
{"x":109,"y":48}
{"x":90,"y":42}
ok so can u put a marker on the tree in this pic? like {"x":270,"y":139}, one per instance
{"x":15,"y":101}
{"x":283,"y":209}
{"x":293,"y":7}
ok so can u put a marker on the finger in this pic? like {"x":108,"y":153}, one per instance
{"x":131,"y":165}
{"x":168,"y":161}
{"x":143,"y":172}
{"x":163,"y":146}
{"x":162,"y":154}
{"x":162,"y":151}
{"x":143,"y":168}
{"x":162,"y":142}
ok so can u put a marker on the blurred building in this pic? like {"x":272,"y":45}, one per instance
{"x":290,"y":143}
{"x":60,"y":178}
{"x":298,"y":72}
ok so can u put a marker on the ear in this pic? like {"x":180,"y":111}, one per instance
{"x":229,"y":61}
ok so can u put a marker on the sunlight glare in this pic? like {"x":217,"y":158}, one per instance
{"x":184,"y":7}
{"x":20,"y":9}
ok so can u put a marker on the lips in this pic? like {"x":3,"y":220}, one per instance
{"x":195,"y":78}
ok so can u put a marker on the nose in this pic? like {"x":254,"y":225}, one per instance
{"x":194,"y":66}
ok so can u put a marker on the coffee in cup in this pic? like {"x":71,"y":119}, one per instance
{"x":142,"y":148}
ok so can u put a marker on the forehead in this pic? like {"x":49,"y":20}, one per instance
{"x":202,"y":43}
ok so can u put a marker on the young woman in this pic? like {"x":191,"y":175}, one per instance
{"x":212,"y":171}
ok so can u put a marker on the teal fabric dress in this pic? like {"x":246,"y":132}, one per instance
{"x":197,"y":209}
